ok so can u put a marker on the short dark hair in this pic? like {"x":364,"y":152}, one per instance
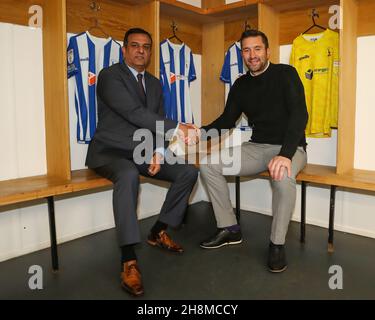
{"x":133,"y":31}
{"x":255,"y":33}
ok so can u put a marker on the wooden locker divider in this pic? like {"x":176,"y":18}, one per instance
{"x":147,"y":17}
{"x":347,"y":104}
{"x":269,"y":24}
{"x":212,"y":59}
{"x":55,"y":89}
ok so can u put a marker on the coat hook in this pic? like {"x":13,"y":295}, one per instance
{"x":95,"y":6}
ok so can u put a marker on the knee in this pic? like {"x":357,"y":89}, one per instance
{"x":209,"y":168}
{"x":129,"y":176}
{"x":285,"y":184}
{"x":190,"y":173}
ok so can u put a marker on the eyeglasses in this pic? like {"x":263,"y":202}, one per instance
{"x":136,"y":45}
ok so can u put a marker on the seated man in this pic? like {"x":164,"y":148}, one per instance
{"x":129,"y":99}
{"x":272,"y":97}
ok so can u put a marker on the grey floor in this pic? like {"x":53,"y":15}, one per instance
{"x":89,"y":267}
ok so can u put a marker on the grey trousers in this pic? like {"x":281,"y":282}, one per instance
{"x":245,"y":160}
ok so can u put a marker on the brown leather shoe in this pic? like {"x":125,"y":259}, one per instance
{"x":131,"y":280}
{"x":162,"y":240}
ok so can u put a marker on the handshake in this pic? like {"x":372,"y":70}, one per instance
{"x":189,"y":133}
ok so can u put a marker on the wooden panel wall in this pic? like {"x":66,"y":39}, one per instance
{"x":348,"y":50}
{"x":212,"y":3}
{"x":293,"y":23}
{"x":366,"y":17}
{"x":17,"y":11}
{"x":113,"y":17}
{"x":234,"y":29}
{"x":188,"y":31}
{"x":212,"y":60}
{"x":269,"y":24}
{"x":55,"y":89}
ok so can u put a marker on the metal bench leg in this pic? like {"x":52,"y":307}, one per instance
{"x":238,"y":200}
{"x":303,"y":211}
{"x":331,"y":218}
{"x":52,"y":230}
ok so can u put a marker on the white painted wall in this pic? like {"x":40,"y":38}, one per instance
{"x":365,"y":111}
{"x":21,"y":102}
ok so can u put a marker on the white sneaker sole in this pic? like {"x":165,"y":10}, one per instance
{"x":278,"y":271}
{"x":223,"y":244}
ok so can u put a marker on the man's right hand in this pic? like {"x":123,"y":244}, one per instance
{"x":189,"y":133}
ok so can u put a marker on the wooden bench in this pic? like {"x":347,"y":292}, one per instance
{"x":321,"y":175}
{"x":44,"y":187}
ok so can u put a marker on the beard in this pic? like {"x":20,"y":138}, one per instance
{"x":258,"y":67}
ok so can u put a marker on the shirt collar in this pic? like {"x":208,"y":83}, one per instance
{"x":135,"y":72}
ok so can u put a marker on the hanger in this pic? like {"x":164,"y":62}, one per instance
{"x":314,"y":14}
{"x":246,"y":28}
{"x":98,"y":27}
{"x":174,"y":36}
{"x":94,"y":6}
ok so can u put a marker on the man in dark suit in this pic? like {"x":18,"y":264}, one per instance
{"x":129,"y":99}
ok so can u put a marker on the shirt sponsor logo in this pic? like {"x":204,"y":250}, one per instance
{"x":321,"y":70}
{"x":70,"y":56}
{"x":304,"y":57}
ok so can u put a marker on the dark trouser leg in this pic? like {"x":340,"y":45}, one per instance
{"x":125,"y":177}
{"x":183,"y":178}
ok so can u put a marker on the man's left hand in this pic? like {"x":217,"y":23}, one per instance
{"x":155,"y":167}
{"x":277,"y":166}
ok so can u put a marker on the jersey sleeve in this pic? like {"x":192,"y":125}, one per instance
{"x":162,"y":68}
{"x":192,"y":73}
{"x":72,"y":58}
{"x":291,"y":58}
{"x":225,"y":72}
{"x":120,"y":54}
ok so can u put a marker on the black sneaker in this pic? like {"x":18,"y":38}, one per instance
{"x":222,"y":238}
{"x":276,"y":258}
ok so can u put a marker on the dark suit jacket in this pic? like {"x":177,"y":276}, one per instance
{"x":121,"y":111}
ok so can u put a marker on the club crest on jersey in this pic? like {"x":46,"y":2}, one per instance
{"x":172,"y":78}
{"x":91,"y":79}
{"x":70,"y":56}
{"x":309,"y":74}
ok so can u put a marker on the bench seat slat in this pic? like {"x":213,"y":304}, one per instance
{"x":38,"y":187}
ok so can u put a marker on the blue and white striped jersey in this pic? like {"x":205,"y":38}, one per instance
{"x":176,"y":72}
{"x":234,"y":66}
{"x":87,"y":56}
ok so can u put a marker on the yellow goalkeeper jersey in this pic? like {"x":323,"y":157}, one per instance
{"x":316,"y":58}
